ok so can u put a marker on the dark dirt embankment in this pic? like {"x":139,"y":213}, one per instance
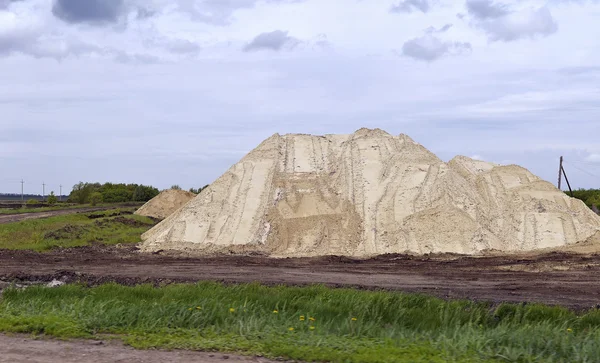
{"x":552,"y":278}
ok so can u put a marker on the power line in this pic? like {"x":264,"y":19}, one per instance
{"x":584,"y":171}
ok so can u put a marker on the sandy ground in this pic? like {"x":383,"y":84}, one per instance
{"x":554,"y":278}
{"x":165,"y":203}
{"x":371,"y":193}
{"x":21,"y":349}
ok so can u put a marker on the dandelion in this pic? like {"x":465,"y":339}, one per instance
{"x":231,"y":310}
{"x":354,"y":319}
{"x":569,"y":330}
{"x":275,"y":311}
{"x":301,"y":317}
{"x":291,"y":329}
{"x":311,"y":327}
{"x":312,"y":319}
{"x":198,"y":307}
{"x":190,"y":309}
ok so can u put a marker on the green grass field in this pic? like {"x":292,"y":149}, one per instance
{"x":305,"y":323}
{"x":58,"y":207}
{"x":73,"y":230}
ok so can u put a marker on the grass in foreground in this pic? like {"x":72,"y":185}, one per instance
{"x":309,"y":323}
{"x":73,"y":230}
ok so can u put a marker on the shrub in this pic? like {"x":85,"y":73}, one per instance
{"x":33,"y":201}
{"x":52,"y":199}
{"x":175,"y":187}
{"x":95,"y":198}
{"x":199,"y":190}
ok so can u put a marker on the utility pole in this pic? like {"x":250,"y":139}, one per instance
{"x":22,"y":182}
{"x":60,"y":194}
{"x":43,"y":192}
{"x":560,"y":171}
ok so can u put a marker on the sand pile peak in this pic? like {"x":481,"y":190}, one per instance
{"x":165,"y":203}
{"x":370,"y":193}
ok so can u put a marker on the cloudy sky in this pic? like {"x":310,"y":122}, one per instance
{"x":175,"y":91}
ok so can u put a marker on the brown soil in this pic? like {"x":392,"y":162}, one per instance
{"x":68,"y":231}
{"x":554,"y":278}
{"x":121,"y":220}
{"x":19,"y":349}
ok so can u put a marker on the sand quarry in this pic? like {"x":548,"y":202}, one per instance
{"x":165,"y":203}
{"x":370,"y":193}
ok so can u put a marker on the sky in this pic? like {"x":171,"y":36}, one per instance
{"x":163,"y":92}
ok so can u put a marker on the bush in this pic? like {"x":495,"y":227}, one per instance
{"x":175,"y":187}
{"x":95,"y":198}
{"x":143,"y":193}
{"x":52,"y":199}
{"x":33,"y":201}
{"x":590,"y":197}
{"x":199,"y":190}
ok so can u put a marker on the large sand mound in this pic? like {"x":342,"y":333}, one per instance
{"x":370,"y":193}
{"x":165,"y":203}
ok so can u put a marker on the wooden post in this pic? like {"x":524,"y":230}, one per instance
{"x":560,"y":171}
{"x":566,"y":179}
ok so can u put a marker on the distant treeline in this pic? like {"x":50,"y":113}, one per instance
{"x":84,"y":193}
{"x":591,"y":197}
{"x":93,"y":193}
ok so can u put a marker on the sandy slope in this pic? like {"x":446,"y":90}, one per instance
{"x":371,"y":193}
{"x":165,"y":203}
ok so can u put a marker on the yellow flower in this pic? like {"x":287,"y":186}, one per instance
{"x":291,"y":329}
{"x":275,"y":311}
{"x":231,"y":310}
{"x":190,"y":309}
{"x":312,"y":328}
{"x":301,"y":317}
{"x":569,"y":330}
{"x":199,"y":307}
{"x":354,"y":319}
{"x":312,"y":319}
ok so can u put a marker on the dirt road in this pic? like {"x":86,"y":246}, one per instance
{"x":9,"y":218}
{"x":20,"y":349}
{"x":553,"y":278}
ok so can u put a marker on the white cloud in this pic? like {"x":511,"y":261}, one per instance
{"x":502,"y":23}
{"x":593,"y":158}
{"x":429,"y":48}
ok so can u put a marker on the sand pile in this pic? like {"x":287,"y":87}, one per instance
{"x":370,"y":193}
{"x":165,"y":203}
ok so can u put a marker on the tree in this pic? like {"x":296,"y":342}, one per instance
{"x":175,"y":187}
{"x":81,"y":192}
{"x":95,"y":198}
{"x":143,"y":193}
{"x":52,"y":199}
